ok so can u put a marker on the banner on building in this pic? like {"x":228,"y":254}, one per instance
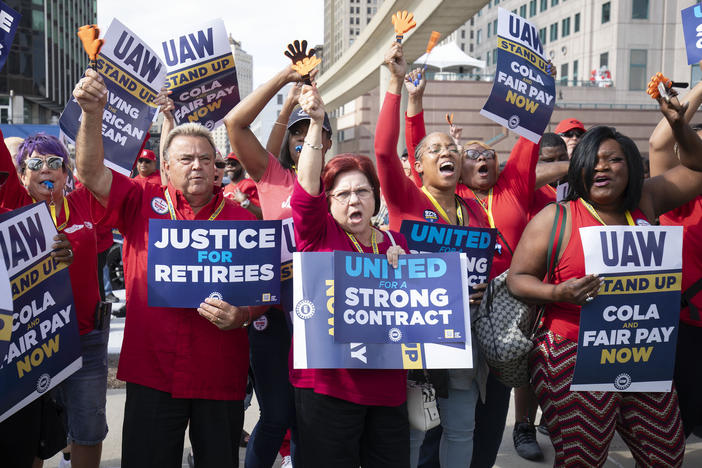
{"x":9,"y":20}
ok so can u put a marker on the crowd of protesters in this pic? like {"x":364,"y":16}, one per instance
{"x":188,"y":369}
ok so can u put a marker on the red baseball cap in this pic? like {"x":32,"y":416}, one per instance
{"x":147,"y":154}
{"x":232,"y":156}
{"x":569,"y":124}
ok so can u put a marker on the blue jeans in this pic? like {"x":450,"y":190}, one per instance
{"x":458,"y":423}
{"x":269,"y":362}
{"x":84,"y":394}
{"x":490,"y":420}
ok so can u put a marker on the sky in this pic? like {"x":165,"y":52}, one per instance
{"x":264,"y":27}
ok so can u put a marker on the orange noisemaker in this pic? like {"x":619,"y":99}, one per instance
{"x":90,"y":37}
{"x":303,"y":62}
{"x":403,"y":22}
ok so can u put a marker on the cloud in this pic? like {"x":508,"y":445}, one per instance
{"x":264,"y":27}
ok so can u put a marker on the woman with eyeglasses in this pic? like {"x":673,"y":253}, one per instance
{"x":352,"y":416}
{"x":605,"y":187}
{"x":42,"y":160}
{"x":438,"y":164}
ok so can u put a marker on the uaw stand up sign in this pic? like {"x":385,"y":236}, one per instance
{"x":628,"y":332}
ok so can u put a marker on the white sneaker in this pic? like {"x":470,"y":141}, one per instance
{"x":63,"y":463}
{"x":287,"y":462}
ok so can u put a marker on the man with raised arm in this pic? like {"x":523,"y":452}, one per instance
{"x":182,"y":366}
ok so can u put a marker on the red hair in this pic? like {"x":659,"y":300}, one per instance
{"x":352,"y":162}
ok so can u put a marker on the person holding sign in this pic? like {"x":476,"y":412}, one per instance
{"x":354,"y":417}
{"x":43,"y":163}
{"x":606,"y":187}
{"x":688,"y":378}
{"x":438,"y":161}
{"x":190,"y":364}
{"x":273,"y":169}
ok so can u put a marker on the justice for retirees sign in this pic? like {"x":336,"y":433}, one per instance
{"x":420,"y":301}
{"x":201,"y":74}
{"x":44,"y":347}
{"x":237,"y":261}
{"x":314,"y":328}
{"x":628,"y":332}
{"x":522,"y":96}
{"x":133,"y":74}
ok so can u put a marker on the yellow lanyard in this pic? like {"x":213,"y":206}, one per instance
{"x":440,"y":209}
{"x":593,"y":212}
{"x":52,"y":209}
{"x":374,"y":242}
{"x":488,"y":210}
{"x":171,"y":210}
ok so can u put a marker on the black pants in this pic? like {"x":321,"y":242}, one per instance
{"x":154,"y":430}
{"x":688,"y":376}
{"x":20,"y":435}
{"x":338,"y":433}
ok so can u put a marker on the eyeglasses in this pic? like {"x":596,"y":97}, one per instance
{"x":572,"y":134}
{"x":344,"y":197}
{"x":232,"y":162}
{"x":144,"y":160}
{"x":220,"y":164}
{"x":436,"y":149}
{"x":53,"y":163}
{"x":475,"y":154}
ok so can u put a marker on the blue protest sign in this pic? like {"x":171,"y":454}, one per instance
{"x":133,"y":74}
{"x":477,"y":243}
{"x":314,"y":346}
{"x":420,"y":301}
{"x":628,"y":332}
{"x":201,"y":74}
{"x":692,"y":30}
{"x":237,"y":261}
{"x":44,"y":347}
{"x":9,"y":20}
{"x":522,"y":96}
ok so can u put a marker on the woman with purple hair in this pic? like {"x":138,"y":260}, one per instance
{"x":43,"y":165}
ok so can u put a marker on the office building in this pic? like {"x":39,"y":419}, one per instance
{"x":343,"y":22}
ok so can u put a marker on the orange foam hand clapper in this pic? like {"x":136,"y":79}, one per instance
{"x":90,"y":37}
{"x":657,"y":79}
{"x":403,"y":22}
{"x":303,"y":62}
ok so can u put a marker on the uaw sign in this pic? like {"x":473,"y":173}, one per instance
{"x":44,"y":345}
{"x":628,"y":332}
{"x":201,"y":74}
{"x":9,"y":20}
{"x":314,"y":328}
{"x":133,"y":74}
{"x":237,"y":261}
{"x":523,"y":93}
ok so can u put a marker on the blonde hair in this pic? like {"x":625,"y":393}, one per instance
{"x":188,"y":129}
{"x":477,"y":142}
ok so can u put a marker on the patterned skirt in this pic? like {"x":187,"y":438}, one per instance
{"x":582,"y":424}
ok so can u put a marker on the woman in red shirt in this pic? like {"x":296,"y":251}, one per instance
{"x":606,"y":186}
{"x":354,"y":417}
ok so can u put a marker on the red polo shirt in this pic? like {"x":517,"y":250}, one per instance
{"x":153,"y":178}
{"x":246,"y":186}
{"x":80,"y":233}
{"x":172,"y":350}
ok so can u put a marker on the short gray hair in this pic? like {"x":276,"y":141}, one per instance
{"x":188,"y":129}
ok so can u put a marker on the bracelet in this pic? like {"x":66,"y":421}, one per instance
{"x":245,"y":203}
{"x":280,"y":123}
{"x":248,"y":318}
{"x":317,"y":147}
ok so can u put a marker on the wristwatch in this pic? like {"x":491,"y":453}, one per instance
{"x":245,"y":203}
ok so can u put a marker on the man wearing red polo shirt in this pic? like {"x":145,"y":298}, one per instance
{"x":146,"y":167}
{"x":241,"y":189}
{"x":571,"y":130}
{"x":182,"y":366}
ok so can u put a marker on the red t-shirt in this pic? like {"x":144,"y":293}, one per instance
{"x":563,"y":318}
{"x":402,"y":196}
{"x":512,"y":197}
{"x":153,"y":178}
{"x":317,"y":231}
{"x":689,"y":216}
{"x":80,"y":232}
{"x":542,"y":197}
{"x":246,"y":186}
{"x":172,"y":350}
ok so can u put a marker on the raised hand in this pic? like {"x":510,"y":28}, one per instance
{"x":415,"y":83}
{"x":311,"y":102}
{"x":91,"y":93}
{"x":165,"y":102}
{"x":395,"y":61}
{"x":653,"y":88}
{"x":403,"y":21}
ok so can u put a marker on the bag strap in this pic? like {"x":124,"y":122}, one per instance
{"x":687,"y":295}
{"x":392,"y":239}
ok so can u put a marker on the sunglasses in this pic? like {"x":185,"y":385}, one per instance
{"x":572,"y":134}
{"x":220,"y":164}
{"x":145,"y":160}
{"x":53,"y":163}
{"x":475,"y":154}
